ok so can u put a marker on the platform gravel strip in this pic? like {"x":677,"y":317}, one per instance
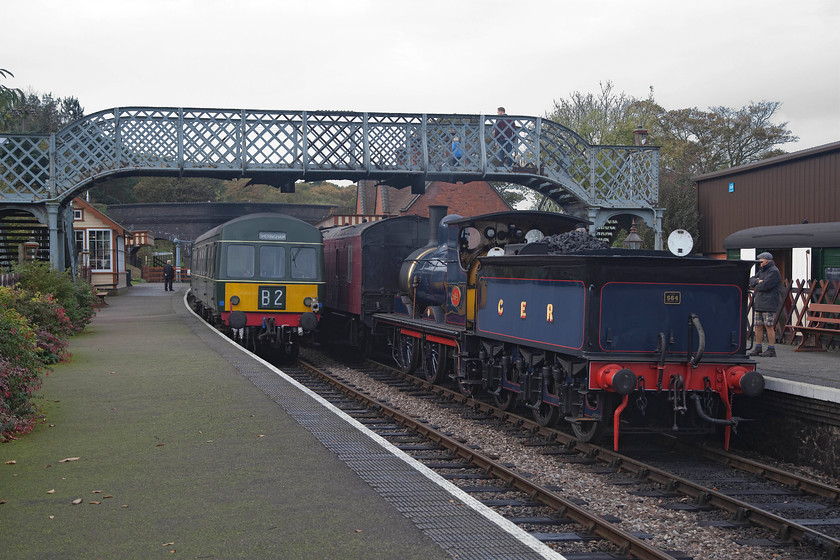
{"x":461,"y":525}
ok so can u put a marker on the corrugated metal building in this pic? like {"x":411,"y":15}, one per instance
{"x":794,"y":188}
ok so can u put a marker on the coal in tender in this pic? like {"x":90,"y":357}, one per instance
{"x":573,"y":242}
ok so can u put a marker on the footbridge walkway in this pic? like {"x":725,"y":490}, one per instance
{"x":41,"y":174}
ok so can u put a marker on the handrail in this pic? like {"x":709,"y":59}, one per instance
{"x":280,"y":147}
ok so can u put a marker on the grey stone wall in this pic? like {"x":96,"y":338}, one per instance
{"x":792,"y":429}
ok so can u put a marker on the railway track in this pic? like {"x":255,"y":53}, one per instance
{"x":562,"y":523}
{"x":797,"y":512}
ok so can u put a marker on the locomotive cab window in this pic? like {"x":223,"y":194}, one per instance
{"x":240,"y":261}
{"x":304,"y":263}
{"x":272,"y":262}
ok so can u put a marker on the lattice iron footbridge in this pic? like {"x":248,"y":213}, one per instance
{"x":41,"y":174}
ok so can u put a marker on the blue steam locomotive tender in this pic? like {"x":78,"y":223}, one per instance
{"x":498,"y":304}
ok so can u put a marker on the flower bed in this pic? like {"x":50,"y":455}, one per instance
{"x":37,"y":317}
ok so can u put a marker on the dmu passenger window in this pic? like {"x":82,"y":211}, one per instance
{"x":304,"y":263}
{"x":272,"y":262}
{"x":240,"y":261}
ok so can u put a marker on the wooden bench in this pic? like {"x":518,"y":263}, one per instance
{"x":821,"y":318}
{"x":103,"y":290}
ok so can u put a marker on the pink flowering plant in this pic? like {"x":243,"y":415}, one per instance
{"x":20,"y":371}
{"x":76,"y":297}
{"x":37,"y":317}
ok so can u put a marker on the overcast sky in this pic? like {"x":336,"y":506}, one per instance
{"x":430,"y":56}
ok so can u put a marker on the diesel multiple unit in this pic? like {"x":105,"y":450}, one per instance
{"x":262,"y":277}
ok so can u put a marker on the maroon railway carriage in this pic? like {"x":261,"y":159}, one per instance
{"x":362,"y":264}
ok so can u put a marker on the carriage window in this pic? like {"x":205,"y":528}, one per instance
{"x":304,"y":263}
{"x":272,"y":262}
{"x":349,"y":264}
{"x":240,"y":261}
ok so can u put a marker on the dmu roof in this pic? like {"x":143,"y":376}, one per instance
{"x":826,"y":234}
{"x":246,"y":228}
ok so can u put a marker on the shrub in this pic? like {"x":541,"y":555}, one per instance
{"x":20,"y":369}
{"x":36,"y":319}
{"x":77,"y":298}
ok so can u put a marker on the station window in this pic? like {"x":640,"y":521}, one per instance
{"x":80,"y":241}
{"x":272,"y":262}
{"x":240,"y":261}
{"x":99,"y":247}
{"x":304,"y":263}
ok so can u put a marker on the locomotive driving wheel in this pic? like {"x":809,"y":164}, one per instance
{"x":546,"y":415}
{"x":435,"y":360}
{"x":592,"y":430}
{"x":506,"y":400}
{"x":406,"y":353}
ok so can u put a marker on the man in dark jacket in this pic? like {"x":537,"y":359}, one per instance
{"x":767,"y":284}
{"x":168,"y":276}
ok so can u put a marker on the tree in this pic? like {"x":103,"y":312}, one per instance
{"x":511,"y":193}
{"x":607,"y":118}
{"x":322,"y":192}
{"x":169,"y":189}
{"x":722,"y":137}
{"x":692,"y":141}
{"x":8,"y":97}
{"x":30,"y":114}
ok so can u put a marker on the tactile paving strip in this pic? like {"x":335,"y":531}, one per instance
{"x":434,"y":505}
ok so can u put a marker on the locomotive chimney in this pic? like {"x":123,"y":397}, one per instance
{"x":436,"y":214}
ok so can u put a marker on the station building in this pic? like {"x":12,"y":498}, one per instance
{"x":788,"y":205}
{"x":100,"y":245}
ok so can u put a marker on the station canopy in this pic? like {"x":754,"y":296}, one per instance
{"x":825,"y":234}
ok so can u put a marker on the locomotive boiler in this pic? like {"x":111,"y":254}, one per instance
{"x":575,"y":336}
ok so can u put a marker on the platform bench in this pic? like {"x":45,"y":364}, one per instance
{"x":822,"y":318}
{"x":103,"y":290}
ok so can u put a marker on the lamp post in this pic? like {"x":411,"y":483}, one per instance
{"x":633,"y":241}
{"x":640,"y":136}
{"x":30,"y":250}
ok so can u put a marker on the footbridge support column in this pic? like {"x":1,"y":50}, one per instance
{"x":56,"y":242}
{"x":651,"y":216}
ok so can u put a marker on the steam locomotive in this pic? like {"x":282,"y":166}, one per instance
{"x":489,"y":305}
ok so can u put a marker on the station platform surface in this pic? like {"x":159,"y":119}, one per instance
{"x":807,"y":374}
{"x":179,"y":444}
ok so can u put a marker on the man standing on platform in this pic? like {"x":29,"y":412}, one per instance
{"x":168,"y":276}
{"x":767,"y":284}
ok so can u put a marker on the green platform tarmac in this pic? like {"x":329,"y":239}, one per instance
{"x":174,"y":454}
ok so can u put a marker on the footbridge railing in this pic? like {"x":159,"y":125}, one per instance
{"x":280,"y":147}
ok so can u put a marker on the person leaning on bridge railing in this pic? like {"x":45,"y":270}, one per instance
{"x":455,"y":151}
{"x":503,"y":132}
